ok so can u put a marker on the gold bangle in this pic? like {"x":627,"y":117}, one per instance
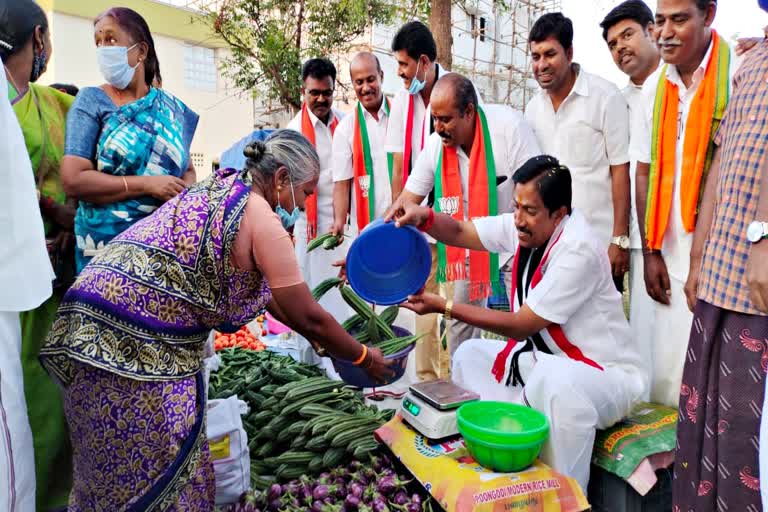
{"x":448,"y":308}
{"x":362,"y":357}
{"x":125,"y":182}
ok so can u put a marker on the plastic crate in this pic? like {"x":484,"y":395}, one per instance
{"x":609,"y":493}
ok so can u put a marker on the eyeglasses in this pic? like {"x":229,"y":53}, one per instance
{"x":314,"y":93}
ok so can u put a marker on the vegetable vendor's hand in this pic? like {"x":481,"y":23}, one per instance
{"x":342,"y":265}
{"x":377,"y":366}
{"x":409,"y":213}
{"x":338,"y":229}
{"x":425,"y":303}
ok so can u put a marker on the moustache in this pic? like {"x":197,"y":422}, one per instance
{"x":524,"y":230}
{"x":444,"y":135}
{"x":670,"y":42}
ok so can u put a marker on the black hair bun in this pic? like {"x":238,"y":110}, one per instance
{"x":255,"y":151}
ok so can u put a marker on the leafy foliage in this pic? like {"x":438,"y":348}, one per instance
{"x":269,"y":39}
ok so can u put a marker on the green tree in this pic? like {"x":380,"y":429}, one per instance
{"x":269,"y":39}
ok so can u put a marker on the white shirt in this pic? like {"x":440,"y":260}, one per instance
{"x":576,"y":291}
{"x":588,"y":134}
{"x":342,"y":158}
{"x":633,"y":94}
{"x":324,"y":148}
{"x":513,"y":143}
{"x":25,"y":269}
{"x":677,"y":245}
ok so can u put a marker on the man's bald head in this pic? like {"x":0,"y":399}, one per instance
{"x":457,"y":87}
{"x":364,"y":60}
{"x":365,"y":72}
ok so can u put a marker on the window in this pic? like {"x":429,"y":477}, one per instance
{"x":200,"y":68}
{"x":477,"y":25}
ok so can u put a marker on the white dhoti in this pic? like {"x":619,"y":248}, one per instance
{"x":17,"y":460}
{"x":576,"y":398}
{"x":641,"y":312}
{"x":671,"y":332}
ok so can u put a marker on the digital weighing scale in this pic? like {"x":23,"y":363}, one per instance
{"x":430,"y":407}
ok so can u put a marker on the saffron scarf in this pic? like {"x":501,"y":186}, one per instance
{"x":310,"y":205}
{"x":449,"y":199}
{"x":362,"y":164}
{"x":706,"y":112}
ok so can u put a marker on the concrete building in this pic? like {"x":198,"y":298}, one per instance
{"x":189,"y":63}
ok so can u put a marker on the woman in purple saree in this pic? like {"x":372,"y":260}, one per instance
{"x":127,"y":344}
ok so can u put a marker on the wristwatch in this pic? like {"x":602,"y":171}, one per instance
{"x":757,"y":231}
{"x":622,"y":241}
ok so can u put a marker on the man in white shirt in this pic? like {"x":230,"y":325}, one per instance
{"x":410,"y":126}
{"x":361,"y":168}
{"x":318,"y":121}
{"x":583,"y":120}
{"x":459,"y":123}
{"x":686,"y":40}
{"x":628,"y":32}
{"x":25,"y":283}
{"x":574,"y":359}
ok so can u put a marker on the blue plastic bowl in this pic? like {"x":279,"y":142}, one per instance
{"x":386,"y":264}
{"x":356,"y":376}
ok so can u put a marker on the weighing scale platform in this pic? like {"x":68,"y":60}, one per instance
{"x":430,"y":407}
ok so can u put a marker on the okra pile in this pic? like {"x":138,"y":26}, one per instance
{"x":365,"y":325}
{"x":300,"y":422}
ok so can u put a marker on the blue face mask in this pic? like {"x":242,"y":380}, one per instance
{"x":417,"y":85}
{"x":288,"y":219}
{"x":113,"y":63}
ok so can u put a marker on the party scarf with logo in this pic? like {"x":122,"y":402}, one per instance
{"x":362,"y":164}
{"x":310,"y":205}
{"x":449,"y":199}
{"x":706,"y":112}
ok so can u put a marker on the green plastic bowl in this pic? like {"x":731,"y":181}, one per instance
{"x":502,"y":436}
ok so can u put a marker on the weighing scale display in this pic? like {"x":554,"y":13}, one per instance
{"x":411,"y":407}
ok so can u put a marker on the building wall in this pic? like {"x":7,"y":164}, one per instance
{"x":226,"y":115}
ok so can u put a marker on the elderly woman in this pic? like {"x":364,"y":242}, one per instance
{"x":128,"y":341}
{"x":127,"y":147}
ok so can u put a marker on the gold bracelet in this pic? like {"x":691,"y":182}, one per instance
{"x":448,"y":308}
{"x":125,"y":182}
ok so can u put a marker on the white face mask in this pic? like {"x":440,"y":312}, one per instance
{"x":113,"y":63}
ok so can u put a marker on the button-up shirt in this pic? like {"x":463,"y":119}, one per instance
{"x":742,"y":139}
{"x":633,"y":93}
{"x":324,"y":147}
{"x":342,"y":157}
{"x":588,"y":133}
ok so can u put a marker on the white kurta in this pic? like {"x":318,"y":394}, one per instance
{"x":318,"y":265}
{"x":342,"y":160}
{"x":25,"y":283}
{"x":672,"y":323}
{"x":588,"y":133}
{"x":594,"y":373}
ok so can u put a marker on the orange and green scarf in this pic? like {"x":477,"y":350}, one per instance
{"x":310,"y":204}
{"x":706,"y":112}
{"x":449,"y":199}
{"x":362,"y":164}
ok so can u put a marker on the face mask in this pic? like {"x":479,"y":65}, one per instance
{"x":38,"y":65}
{"x":416,"y":84}
{"x":288,"y":219}
{"x":113,"y":62}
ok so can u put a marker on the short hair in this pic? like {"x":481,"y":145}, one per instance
{"x":553,"y":24}
{"x":553,"y":181}
{"x":318,"y":69}
{"x":463,"y":90}
{"x":70,"y":89}
{"x":18,"y":19}
{"x":136,"y":26}
{"x":703,"y":4}
{"x":635,"y":10}
{"x":287,"y":148}
{"x":416,"y":39}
